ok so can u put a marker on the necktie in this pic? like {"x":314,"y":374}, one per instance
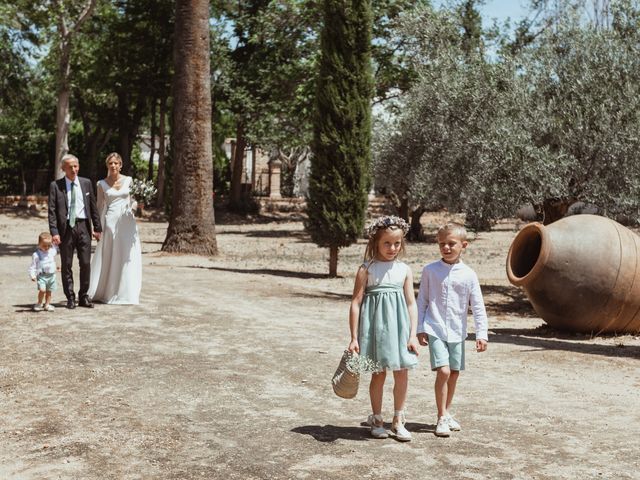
{"x":72,"y":206}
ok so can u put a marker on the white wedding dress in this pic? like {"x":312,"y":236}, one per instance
{"x":116,"y":266}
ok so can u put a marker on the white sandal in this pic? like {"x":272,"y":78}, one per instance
{"x":377,"y":426}
{"x":402,"y":434}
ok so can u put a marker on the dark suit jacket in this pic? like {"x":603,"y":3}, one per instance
{"x":58,"y":206}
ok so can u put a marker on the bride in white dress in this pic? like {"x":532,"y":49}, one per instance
{"x":116,"y":266}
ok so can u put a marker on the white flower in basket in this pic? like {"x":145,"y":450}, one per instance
{"x":346,"y":378}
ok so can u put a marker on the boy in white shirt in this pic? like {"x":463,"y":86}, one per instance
{"x":447,"y":288}
{"x":43,"y":271}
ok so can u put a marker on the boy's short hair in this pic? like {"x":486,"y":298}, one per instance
{"x":44,"y":237}
{"x":453,"y":227}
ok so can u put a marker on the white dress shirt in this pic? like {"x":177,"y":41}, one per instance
{"x":43,"y":262}
{"x":80,"y":213}
{"x":446,"y":292}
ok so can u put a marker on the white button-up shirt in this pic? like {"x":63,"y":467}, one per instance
{"x":80,"y":213}
{"x":43,"y":262}
{"x":446,"y":292}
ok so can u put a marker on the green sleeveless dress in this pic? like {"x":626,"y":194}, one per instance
{"x":384,"y":326}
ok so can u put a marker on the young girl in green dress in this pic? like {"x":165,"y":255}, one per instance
{"x":383,"y":320}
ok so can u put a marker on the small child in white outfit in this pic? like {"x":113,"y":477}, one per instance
{"x":448,"y":288}
{"x":43,"y":271}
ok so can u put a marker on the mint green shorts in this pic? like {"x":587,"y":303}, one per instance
{"x":443,"y":353}
{"x":46,"y":282}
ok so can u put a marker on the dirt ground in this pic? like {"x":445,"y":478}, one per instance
{"x":223,"y":371}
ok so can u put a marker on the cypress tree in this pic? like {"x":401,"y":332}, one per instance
{"x":471,"y":22}
{"x":339,"y":180}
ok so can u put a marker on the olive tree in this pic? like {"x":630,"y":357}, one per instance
{"x":461,"y":139}
{"x":555,"y":124}
{"x":586,"y":84}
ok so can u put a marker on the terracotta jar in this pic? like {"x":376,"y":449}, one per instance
{"x":581,"y":273}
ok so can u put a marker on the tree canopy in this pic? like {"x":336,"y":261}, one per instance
{"x":476,"y":120}
{"x":550,"y":122}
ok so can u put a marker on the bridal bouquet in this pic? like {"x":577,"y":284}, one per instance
{"x":143,"y":191}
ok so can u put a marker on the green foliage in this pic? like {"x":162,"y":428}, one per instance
{"x":471,"y":23}
{"x":248,"y":205}
{"x":121,"y":63}
{"x":339,"y":180}
{"x":264,"y":57}
{"x":25,"y":122}
{"x":392,"y":62}
{"x":265,"y":63}
{"x":483,"y":136}
{"x":139,"y":165}
{"x":586,"y":83}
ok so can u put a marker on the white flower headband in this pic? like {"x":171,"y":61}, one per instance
{"x":386,"y":222}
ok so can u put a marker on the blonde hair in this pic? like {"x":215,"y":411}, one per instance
{"x":44,"y":237}
{"x":455,"y":228}
{"x":371,"y":252}
{"x":115,"y":155}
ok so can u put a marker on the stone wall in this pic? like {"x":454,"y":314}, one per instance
{"x":28,"y":201}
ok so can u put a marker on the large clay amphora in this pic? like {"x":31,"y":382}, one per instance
{"x":581,"y":273}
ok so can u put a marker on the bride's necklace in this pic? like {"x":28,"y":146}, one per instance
{"x":117,"y":183}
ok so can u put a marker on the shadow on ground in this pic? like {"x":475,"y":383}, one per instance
{"x":331,"y":433}
{"x":514,"y":301}
{"x":23,"y":212}
{"x":511,"y":301}
{"x":268,"y":271}
{"x":544,"y":338}
{"x":22,"y":250}
{"x":340,"y":297}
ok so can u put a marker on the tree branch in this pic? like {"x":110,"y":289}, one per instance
{"x":86,"y":13}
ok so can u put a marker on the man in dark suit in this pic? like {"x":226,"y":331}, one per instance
{"x":72,"y":214}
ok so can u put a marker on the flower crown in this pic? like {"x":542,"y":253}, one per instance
{"x":386,"y":222}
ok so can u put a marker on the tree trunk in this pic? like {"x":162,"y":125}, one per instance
{"x":161,"y":152}
{"x":191,"y":227}
{"x":555,"y":208}
{"x":403,"y":211}
{"x":128,"y":125}
{"x":63,"y":117}
{"x":94,"y":140}
{"x":290,"y":181}
{"x":122,"y":140}
{"x":152,"y":142}
{"x":237,"y":164}
{"x":62,"y":109}
{"x":415,"y":230}
{"x":333,"y":262}
{"x":62,"y":127}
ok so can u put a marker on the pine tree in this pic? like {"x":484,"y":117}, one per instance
{"x":340,"y":179}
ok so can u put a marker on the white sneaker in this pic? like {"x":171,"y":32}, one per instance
{"x":442,"y":428}
{"x":49,"y":308}
{"x":37,"y":307}
{"x":454,"y":426}
{"x":377,"y":426}
{"x":402,"y":434}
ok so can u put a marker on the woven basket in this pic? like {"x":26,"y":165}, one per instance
{"x":345,"y":382}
